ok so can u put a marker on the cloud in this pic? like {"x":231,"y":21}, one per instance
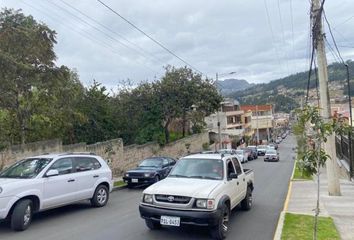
{"x":211,"y":35}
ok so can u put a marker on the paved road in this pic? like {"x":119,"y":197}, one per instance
{"x":120,"y":220}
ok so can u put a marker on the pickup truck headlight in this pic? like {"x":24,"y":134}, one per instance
{"x":205,"y":203}
{"x":147,"y":198}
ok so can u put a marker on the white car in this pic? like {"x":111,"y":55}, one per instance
{"x":242,"y":155}
{"x":52,"y":180}
{"x":201,"y":190}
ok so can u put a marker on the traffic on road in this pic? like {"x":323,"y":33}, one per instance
{"x":201,"y":196}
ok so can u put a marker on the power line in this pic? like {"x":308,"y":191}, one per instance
{"x":141,"y":52}
{"x":272,"y":32}
{"x":148,"y":36}
{"x":333,"y":39}
{"x":283,"y":35}
{"x":83,"y":33}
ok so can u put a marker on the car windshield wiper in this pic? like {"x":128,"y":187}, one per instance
{"x":204,"y":177}
{"x":178,"y":175}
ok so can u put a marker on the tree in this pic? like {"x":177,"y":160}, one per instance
{"x":179,"y":90}
{"x":96,"y":106}
{"x":26,"y":60}
{"x":313,"y":156}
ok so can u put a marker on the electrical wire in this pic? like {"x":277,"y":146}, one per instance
{"x":333,"y":39}
{"x":272,"y":33}
{"x":283,"y":36}
{"x":85,"y":34}
{"x":148,"y":36}
{"x":141,"y":50}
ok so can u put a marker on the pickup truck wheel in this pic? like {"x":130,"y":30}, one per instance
{"x":21,"y":216}
{"x":152,"y":225}
{"x":220,"y":231}
{"x":246,"y":203}
{"x":100,"y":197}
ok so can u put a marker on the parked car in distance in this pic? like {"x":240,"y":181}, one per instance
{"x":242,"y":155}
{"x":271,"y":156}
{"x":249,"y":153}
{"x":278,"y":140}
{"x":227,"y":151}
{"x":48,"y":181}
{"x":254,"y":152}
{"x":201,"y":190}
{"x":273,"y":146}
{"x":261,"y":149}
{"x":149,"y":171}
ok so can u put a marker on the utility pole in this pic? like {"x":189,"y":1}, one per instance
{"x":329,"y":146}
{"x":257,"y":125}
{"x":218,"y":119}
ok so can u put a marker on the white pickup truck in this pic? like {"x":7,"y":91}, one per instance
{"x":201,"y":190}
{"x":52,"y":180}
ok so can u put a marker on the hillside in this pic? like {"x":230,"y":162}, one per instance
{"x":228,"y":86}
{"x":286,"y":93}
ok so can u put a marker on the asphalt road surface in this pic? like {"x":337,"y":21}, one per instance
{"x":120,"y":219}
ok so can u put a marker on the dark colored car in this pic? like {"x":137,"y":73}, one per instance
{"x":271,"y":156}
{"x":254,"y":152}
{"x":149,"y":171}
{"x":249,"y":152}
{"x":273,"y":145}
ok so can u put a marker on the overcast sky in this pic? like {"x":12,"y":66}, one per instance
{"x":212,"y":35}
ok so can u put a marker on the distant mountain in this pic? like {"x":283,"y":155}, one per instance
{"x":286,"y":93}
{"x":228,"y":86}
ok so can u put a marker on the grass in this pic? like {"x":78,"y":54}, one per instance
{"x":119,"y":183}
{"x":300,"y":175}
{"x":297,"y":226}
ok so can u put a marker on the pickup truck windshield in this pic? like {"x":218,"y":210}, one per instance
{"x":28,"y":168}
{"x":199,"y":168}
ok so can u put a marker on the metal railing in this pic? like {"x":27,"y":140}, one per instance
{"x":342,"y":149}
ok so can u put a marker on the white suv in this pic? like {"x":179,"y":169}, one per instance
{"x":52,"y":180}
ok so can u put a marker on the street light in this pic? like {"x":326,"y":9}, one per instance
{"x":217,"y":113}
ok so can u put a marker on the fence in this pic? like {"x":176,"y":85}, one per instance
{"x":342,"y":149}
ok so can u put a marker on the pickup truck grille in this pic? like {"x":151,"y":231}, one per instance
{"x":172,"y":199}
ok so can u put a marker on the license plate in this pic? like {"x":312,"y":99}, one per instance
{"x":134,"y":180}
{"x":170,"y":221}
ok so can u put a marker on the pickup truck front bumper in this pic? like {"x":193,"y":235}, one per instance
{"x":188,"y":217}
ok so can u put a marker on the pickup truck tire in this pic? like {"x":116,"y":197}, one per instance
{"x":220,"y":231}
{"x":100,"y":197}
{"x":246,"y":203}
{"x":21,"y":216}
{"x":152,"y":225}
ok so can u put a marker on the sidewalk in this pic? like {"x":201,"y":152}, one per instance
{"x":341,"y":209}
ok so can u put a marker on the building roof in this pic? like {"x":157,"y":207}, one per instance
{"x":254,"y":108}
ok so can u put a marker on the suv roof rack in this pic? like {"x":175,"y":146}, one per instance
{"x":78,"y":153}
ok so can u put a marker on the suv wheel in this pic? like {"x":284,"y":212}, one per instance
{"x":220,"y":231}
{"x":100,"y":197}
{"x":247,"y":202}
{"x":152,"y":225}
{"x":21,"y":216}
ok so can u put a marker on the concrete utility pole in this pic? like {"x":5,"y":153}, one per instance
{"x":218,"y":118}
{"x":257,"y":125}
{"x":329,"y":146}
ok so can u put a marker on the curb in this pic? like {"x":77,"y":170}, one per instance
{"x":118,"y":188}
{"x":279,"y":228}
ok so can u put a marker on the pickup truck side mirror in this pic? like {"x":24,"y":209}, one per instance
{"x":233,"y":176}
{"x":52,"y":173}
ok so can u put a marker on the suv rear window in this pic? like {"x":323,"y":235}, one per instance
{"x":86,"y":164}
